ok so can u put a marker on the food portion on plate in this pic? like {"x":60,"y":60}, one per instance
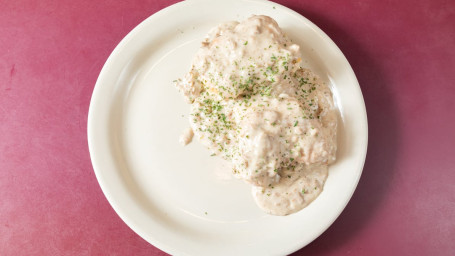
{"x":253,"y":104}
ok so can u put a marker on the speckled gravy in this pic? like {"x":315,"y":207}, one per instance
{"x":253,"y":104}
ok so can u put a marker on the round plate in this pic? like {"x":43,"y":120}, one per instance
{"x":179,"y":198}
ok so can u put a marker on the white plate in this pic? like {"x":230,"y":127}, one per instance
{"x":179,"y":198}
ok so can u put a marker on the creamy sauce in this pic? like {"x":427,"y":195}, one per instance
{"x":253,"y":104}
{"x":296,"y":189}
{"x":186,"y":137}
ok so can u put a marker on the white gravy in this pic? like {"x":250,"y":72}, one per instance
{"x":253,"y":104}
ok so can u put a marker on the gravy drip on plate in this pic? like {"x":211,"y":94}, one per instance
{"x":254,"y":105}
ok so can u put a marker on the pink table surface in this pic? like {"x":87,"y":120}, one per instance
{"x":51,"y":53}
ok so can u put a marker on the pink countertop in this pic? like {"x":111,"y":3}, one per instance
{"x":51,"y":53}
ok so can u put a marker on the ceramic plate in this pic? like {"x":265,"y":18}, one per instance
{"x":178,"y":198}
